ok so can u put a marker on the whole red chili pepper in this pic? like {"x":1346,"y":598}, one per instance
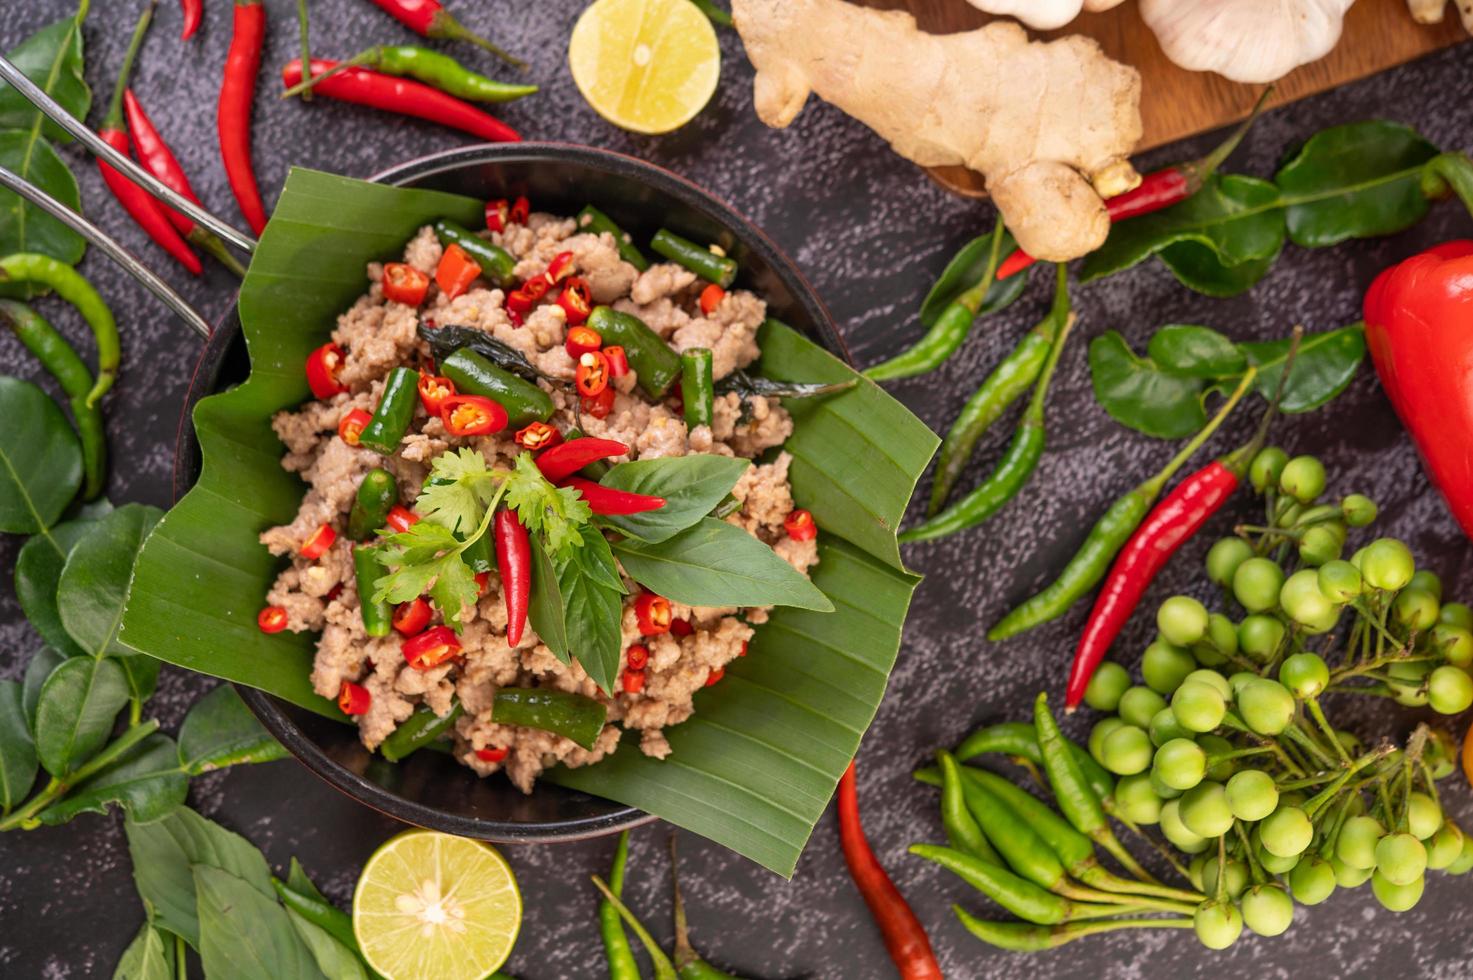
{"x":233,"y":116}
{"x":514,"y":561}
{"x":561,"y":462}
{"x":428,"y":18}
{"x":194,"y":12}
{"x":407,"y":98}
{"x":606,"y":500}
{"x":905,"y":937}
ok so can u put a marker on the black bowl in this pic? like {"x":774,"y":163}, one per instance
{"x":430,"y":789}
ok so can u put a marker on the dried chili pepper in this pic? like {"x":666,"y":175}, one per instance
{"x":194,"y":13}
{"x":323,"y":367}
{"x":561,"y":462}
{"x":272,"y":619}
{"x":353,"y":699}
{"x":431,"y":648}
{"x":514,"y":562}
{"x":606,"y":500}
{"x":404,"y":284}
{"x":429,"y":18}
{"x":652,"y":614}
{"x":434,"y":392}
{"x":233,"y":113}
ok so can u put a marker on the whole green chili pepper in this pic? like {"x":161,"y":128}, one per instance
{"x":688,"y":962}
{"x":475,"y":375}
{"x":960,"y":826}
{"x":949,"y":330}
{"x":664,"y":969}
{"x":377,"y":616}
{"x":1019,"y":740}
{"x":1002,"y":387}
{"x":417,"y":731}
{"x":705,"y":263}
{"x":593,"y":220}
{"x":377,"y":495}
{"x":1013,"y":470}
{"x":1108,"y":535}
{"x":656,"y":364}
{"x":495,"y":261}
{"x":68,"y":283}
{"x":431,"y":67}
{"x":1024,"y":937}
{"x":1020,"y":845}
{"x":395,"y":411}
{"x":1022,"y":898}
{"x":696,"y":386}
{"x":622,"y":965}
{"x":57,"y":356}
{"x":561,"y":712}
{"x":322,"y":914}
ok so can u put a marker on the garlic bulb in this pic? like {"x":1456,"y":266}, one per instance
{"x":1041,"y":15}
{"x":1253,"y":41}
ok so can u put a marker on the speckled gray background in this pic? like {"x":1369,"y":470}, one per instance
{"x":871,"y":233}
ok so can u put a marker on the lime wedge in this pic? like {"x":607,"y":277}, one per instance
{"x":645,"y":65}
{"x":431,"y":906}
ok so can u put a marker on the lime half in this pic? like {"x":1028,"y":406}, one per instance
{"x":431,"y":906}
{"x":645,"y":65}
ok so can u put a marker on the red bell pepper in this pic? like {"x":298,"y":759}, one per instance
{"x":1419,"y":327}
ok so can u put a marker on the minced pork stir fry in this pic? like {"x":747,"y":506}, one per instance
{"x":467,"y":460}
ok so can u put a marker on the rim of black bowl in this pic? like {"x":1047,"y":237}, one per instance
{"x":266,"y":707}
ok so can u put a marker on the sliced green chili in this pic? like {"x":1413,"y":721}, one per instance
{"x":960,"y":826}
{"x":377,"y":495}
{"x":705,"y":263}
{"x":68,"y":283}
{"x":43,"y":340}
{"x":657,"y":365}
{"x":622,"y":964}
{"x":417,"y":731}
{"x":377,"y":616}
{"x":696,"y":386}
{"x":594,"y":220}
{"x":495,"y":261}
{"x":475,"y":375}
{"x":729,"y":505}
{"x":395,"y":411}
{"x":563,"y":713}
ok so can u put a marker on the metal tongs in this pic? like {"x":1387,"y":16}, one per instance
{"x":130,"y":262}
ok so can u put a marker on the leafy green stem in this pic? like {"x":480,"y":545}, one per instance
{"x":59,"y":785}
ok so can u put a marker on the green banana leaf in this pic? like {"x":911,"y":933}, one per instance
{"x":757,"y":764}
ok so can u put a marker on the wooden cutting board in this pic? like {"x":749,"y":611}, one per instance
{"x":1176,"y":103}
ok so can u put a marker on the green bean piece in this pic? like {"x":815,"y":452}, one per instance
{"x":729,"y":505}
{"x":664,"y":969}
{"x":1109,"y":535}
{"x":495,"y":262}
{"x":1002,"y":387}
{"x":377,"y":616}
{"x":1022,"y":898}
{"x":655,"y":363}
{"x":696,"y":386}
{"x":593,"y":220}
{"x":68,"y":283}
{"x":324,"y":915}
{"x":570,"y":715}
{"x":377,"y":495}
{"x":417,"y":731}
{"x":475,"y":375}
{"x":1019,"y":740}
{"x":44,"y":341}
{"x":1024,"y":937}
{"x":1013,"y":470}
{"x":961,"y":827}
{"x":395,"y":411}
{"x":622,"y":964}
{"x":720,"y":269}
{"x":950,"y":328}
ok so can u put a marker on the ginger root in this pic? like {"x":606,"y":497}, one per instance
{"x":1048,"y":124}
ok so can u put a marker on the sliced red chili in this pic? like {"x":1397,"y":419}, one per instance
{"x":498,"y":214}
{"x":401,"y":518}
{"x":353,"y":699}
{"x":652,"y":613}
{"x":433,"y":391}
{"x":483,"y":584}
{"x":318,"y":542}
{"x":711,"y":298}
{"x":638,"y":656}
{"x":743,"y":652}
{"x":323,"y":367}
{"x":411,"y":618}
{"x":560,"y":268}
{"x":715,"y":676}
{"x":521,"y":210}
{"x":538,"y":435}
{"x":431,"y":648}
{"x":799,"y":525}
{"x":350,"y":426}
{"x":492,"y":755}
{"x":456,"y":271}
{"x":472,"y":415}
{"x":576,"y":299}
{"x":561,"y":462}
{"x":405,"y":284}
{"x":633,"y":681}
{"x":618,"y":361}
{"x":272,"y":619}
{"x":592,"y":376}
{"x":581,"y":340}
{"x":600,"y":405}
{"x":681,"y":627}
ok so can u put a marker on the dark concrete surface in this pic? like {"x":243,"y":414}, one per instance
{"x":872,"y":233}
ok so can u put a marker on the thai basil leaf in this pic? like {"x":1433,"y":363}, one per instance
{"x":94,"y":582}
{"x":1194,"y":352}
{"x":43,"y":662}
{"x":545,"y":608}
{"x":150,"y":956}
{"x":220,"y":731}
{"x":37,"y":576}
{"x":717,"y":564}
{"x":336,"y":961}
{"x":965,"y":270}
{"x":75,"y":713}
{"x":1323,"y":366}
{"x":52,"y":59}
{"x":691,"y":486}
{"x":298,"y":881}
{"x":1355,"y":181}
{"x":244,"y":934}
{"x":147,"y":783}
{"x":1138,"y":394}
{"x":40,"y":459}
{"x":17,"y":750}
{"x":592,"y":608}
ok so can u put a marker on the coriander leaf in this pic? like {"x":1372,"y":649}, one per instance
{"x":422,"y":542}
{"x":454,"y":588}
{"x":407,"y":583}
{"x":459,"y":490}
{"x":555,"y":513}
